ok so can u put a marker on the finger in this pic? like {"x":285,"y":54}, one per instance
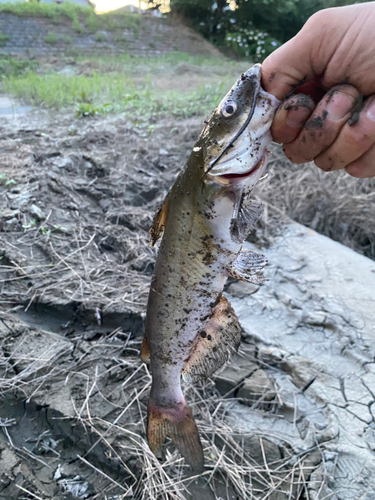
{"x":352,"y":144}
{"x":290,"y":117}
{"x":324,"y":124}
{"x":301,"y":59}
{"x":364,"y":166}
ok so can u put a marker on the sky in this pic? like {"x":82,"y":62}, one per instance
{"x":106,"y":5}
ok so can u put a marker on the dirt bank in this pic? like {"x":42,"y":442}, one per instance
{"x":76,"y":202}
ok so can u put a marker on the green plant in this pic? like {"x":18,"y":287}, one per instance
{"x":87,"y":109}
{"x":76,"y":25}
{"x":29,"y":225}
{"x":3,"y":39}
{"x":50,"y":38}
{"x":67,"y":39}
{"x":100,"y":37}
{"x":252,"y":43}
{"x":7,"y":182}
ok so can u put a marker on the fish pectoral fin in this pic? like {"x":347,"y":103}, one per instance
{"x":159,"y":222}
{"x":220,"y":337}
{"x":178,"y":424}
{"x":145,"y":351}
{"x":248,"y":215}
{"x":247,"y":265}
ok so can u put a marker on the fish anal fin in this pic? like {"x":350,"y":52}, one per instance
{"x":248,"y":215}
{"x":159,"y":222}
{"x":221,"y":336}
{"x":178,"y":424}
{"x":145,"y":351}
{"x":246,"y":266}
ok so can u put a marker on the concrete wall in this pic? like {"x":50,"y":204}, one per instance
{"x":154,"y":36}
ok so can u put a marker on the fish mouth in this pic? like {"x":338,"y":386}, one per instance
{"x":239,"y":176}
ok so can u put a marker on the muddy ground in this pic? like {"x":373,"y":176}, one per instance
{"x":76,"y":201}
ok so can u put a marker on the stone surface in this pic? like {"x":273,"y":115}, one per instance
{"x":313,"y":327}
{"x":153,"y":36}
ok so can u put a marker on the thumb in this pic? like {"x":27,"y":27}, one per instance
{"x":287,"y":67}
{"x":306,"y":56}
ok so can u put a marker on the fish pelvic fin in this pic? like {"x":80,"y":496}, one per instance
{"x":145,"y":351}
{"x":178,"y":424}
{"x":248,"y":215}
{"x":159,"y":222}
{"x":247,"y":265}
{"x":221,"y":336}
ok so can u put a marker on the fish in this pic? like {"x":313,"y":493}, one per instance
{"x":190,"y":327}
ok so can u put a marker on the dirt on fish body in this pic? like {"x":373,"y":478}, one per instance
{"x":190,"y":327}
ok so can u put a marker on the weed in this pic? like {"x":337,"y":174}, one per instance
{"x":7,"y":182}
{"x":67,"y":39}
{"x":100,"y":37}
{"x":50,"y":38}
{"x":87,"y":109}
{"x":76,"y":25}
{"x":29,"y":225}
{"x":3,"y":39}
{"x":82,"y":17}
{"x":126,"y":84}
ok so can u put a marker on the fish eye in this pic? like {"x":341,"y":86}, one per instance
{"x":229,"y":108}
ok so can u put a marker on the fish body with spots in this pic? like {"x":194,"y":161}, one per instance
{"x":191,"y":329}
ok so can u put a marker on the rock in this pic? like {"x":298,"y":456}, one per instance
{"x":230,"y":377}
{"x":37,"y":212}
{"x":313,"y":325}
{"x":242,"y":289}
{"x":8,"y":213}
{"x":10,"y":225}
{"x":257,"y":387}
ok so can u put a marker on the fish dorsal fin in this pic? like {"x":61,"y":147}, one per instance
{"x":221,"y":336}
{"x":248,"y":215}
{"x":159,"y":222}
{"x":246,"y":266}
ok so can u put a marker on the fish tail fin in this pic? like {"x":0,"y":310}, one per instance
{"x":178,"y":424}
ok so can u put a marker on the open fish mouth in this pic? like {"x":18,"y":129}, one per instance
{"x":259,"y":164}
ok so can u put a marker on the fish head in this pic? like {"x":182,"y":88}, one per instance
{"x":234,"y":141}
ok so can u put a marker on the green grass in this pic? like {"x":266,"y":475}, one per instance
{"x":3,"y":39}
{"x":110,"y":93}
{"x":82,"y":18}
{"x":135,"y":85}
{"x":12,"y":66}
{"x":50,"y":38}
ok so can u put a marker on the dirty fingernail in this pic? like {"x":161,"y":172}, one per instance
{"x":297,"y":116}
{"x":339,"y":105}
{"x":370,"y":108}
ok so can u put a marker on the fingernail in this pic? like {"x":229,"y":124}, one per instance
{"x":370,"y":108}
{"x":339,"y":105}
{"x":297,"y":116}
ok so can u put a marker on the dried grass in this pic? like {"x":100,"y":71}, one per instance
{"x":334,"y":204}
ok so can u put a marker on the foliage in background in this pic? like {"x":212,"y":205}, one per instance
{"x":83,"y":18}
{"x":253,"y":28}
{"x":126,"y":84}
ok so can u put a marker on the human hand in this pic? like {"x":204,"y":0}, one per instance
{"x":333,"y":56}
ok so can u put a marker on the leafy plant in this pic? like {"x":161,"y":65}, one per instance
{"x":252,"y":43}
{"x":3,"y":39}
{"x":218,"y":19}
{"x":100,"y":37}
{"x":50,"y":38}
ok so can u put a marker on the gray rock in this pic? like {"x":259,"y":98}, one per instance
{"x":37,"y":212}
{"x":257,"y":387}
{"x":313,"y":326}
{"x":241,"y":289}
